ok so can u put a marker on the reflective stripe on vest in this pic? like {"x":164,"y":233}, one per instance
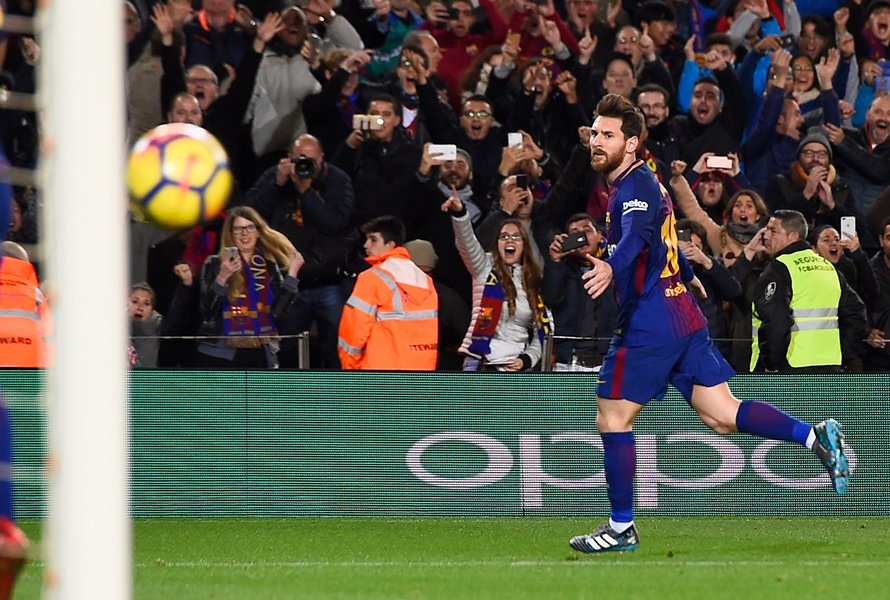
{"x":815,"y":295}
{"x":398,"y":310}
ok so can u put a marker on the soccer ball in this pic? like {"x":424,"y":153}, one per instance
{"x":178,"y":176}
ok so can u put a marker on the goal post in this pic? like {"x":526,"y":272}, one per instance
{"x":88,"y":537}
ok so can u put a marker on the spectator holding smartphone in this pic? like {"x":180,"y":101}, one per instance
{"x":244,"y":289}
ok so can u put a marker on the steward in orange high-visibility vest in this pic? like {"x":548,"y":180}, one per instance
{"x":391,"y":320}
{"x":22,"y":315}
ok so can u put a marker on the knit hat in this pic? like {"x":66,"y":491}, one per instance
{"x":422,"y":253}
{"x":875,"y":5}
{"x":815,"y":135}
{"x":467,"y":157}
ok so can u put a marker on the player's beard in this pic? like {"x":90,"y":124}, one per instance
{"x":604,"y":162}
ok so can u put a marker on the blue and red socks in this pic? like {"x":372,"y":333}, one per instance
{"x":767,"y":421}
{"x":620,"y":466}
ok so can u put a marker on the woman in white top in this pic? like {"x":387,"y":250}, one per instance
{"x":509,"y":319}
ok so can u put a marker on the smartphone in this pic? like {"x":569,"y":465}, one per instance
{"x":718,"y":162}
{"x":514,"y":139}
{"x":230,"y":252}
{"x":575,"y":240}
{"x":522,"y":180}
{"x":443,"y":151}
{"x":882,"y":81}
{"x":367,"y":122}
{"x":848,"y":227}
{"x":453,"y":14}
{"x":684,"y":235}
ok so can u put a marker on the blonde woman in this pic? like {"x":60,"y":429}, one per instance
{"x":244,"y":288}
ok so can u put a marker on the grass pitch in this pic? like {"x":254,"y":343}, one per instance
{"x":490,"y":558}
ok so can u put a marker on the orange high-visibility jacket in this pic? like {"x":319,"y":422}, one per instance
{"x":22,"y":316}
{"x":391,"y":320}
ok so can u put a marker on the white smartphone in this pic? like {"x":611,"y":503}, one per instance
{"x":848,"y":227}
{"x":514,"y":139}
{"x":718,"y":162}
{"x":443,"y":151}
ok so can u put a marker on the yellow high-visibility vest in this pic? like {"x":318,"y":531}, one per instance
{"x":815,"y":295}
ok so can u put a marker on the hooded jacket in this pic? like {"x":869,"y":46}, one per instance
{"x":391,"y":320}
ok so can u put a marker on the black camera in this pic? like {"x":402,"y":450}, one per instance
{"x":304,"y":167}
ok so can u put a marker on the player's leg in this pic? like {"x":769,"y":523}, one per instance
{"x":615,"y":419}
{"x":720,"y":410}
{"x":630,"y":377}
{"x":13,"y":543}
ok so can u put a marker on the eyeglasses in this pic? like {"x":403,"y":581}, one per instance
{"x":814,"y":153}
{"x":510,"y":237}
{"x":628,"y":40}
{"x":239,"y":229}
{"x":482,"y":114}
{"x":200,"y":80}
{"x":802,"y":68}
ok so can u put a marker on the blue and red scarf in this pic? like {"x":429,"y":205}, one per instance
{"x":490,"y":314}
{"x":250,"y":316}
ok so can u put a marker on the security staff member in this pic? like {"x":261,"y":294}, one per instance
{"x":23,"y":314}
{"x":806,"y":317}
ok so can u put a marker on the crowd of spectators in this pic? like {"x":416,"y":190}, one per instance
{"x":333,"y":113}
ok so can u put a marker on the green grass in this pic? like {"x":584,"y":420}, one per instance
{"x":515,"y":558}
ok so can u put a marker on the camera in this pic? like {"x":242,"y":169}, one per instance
{"x":788,"y":41}
{"x":304,"y":167}
{"x":367,"y":122}
{"x":522,"y":180}
{"x":575,"y":240}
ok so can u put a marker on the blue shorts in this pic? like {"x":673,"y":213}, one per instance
{"x":641,"y":373}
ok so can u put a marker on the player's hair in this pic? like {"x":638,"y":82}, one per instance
{"x":882,"y":230}
{"x":792,"y":221}
{"x":531,"y":271}
{"x":390,"y":228}
{"x":274,"y":246}
{"x":417,"y":49}
{"x":619,"y":107}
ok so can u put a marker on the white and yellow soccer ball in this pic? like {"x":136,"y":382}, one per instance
{"x":178,"y":176}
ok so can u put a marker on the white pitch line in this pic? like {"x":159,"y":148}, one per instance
{"x":577,"y":562}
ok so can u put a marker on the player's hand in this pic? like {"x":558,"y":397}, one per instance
{"x":697,"y":288}
{"x":597,"y":280}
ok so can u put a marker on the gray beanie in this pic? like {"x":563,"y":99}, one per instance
{"x":815,"y":135}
